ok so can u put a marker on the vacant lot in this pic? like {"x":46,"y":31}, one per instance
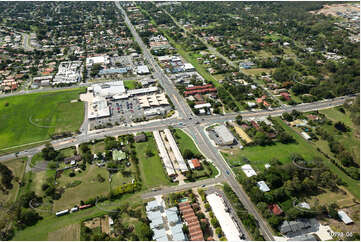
{"x":260,"y":155}
{"x":30,"y":118}
{"x":87,"y":186}
{"x":17,"y":167}
{"x":68,"y":233}
{"x":151,"y":168}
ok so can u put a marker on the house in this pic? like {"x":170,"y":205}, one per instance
{"x":305,"y":136}
{"x":344,"y":217}
{"x":248,"y":170}
{"x":285,"y":95}
{"x":75,"y":158}
{"x":140,"y":138}
{"x":263,"y":186}
{"x":275,"y":209}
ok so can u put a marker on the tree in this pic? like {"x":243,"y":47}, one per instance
{"x":149,"y":153}
{"x":188,"y":154}
{"x":239,"y":119}
{"x":144,"y":232}
{"x":219,"y":231}
{"x":341,"y":127}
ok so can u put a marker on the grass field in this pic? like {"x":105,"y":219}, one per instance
{"x":67,"y":233}
{"x":34,"y":117}
{"x":259,"y":156}
{"x":350,"y":140}
{"x":89,"y":187}
{"x":97,"y":147}
{"x":151,"y":168}
{"x":185,"y":142}
{"x":17,"y":167}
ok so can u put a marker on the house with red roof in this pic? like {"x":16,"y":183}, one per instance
{"x":275,"y":209}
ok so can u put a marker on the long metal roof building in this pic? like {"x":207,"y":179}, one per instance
{"x":178,"y":156}
{"x":163,"y":154}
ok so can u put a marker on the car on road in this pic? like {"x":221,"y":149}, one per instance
{"x":204,"y":185}
{"x":227,"y":171}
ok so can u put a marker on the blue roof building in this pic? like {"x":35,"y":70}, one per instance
{"x":114,"y":71}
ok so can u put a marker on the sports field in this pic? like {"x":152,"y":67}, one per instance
{"x":31,"y":118}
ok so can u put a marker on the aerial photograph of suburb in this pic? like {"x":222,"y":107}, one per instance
{"x":179,"y":120}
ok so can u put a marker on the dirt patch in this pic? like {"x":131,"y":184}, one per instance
{"x":102,"y":222}
{"x":334,"y":8}
{"x":68,"y":233}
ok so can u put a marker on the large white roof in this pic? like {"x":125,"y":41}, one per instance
{"x":178,"y":156}
{"x":228,"y":225}
{"x":163,"y":153}
{"x":248,"y":170}
{"x":108,"y":89}
{"x":225,"y":135}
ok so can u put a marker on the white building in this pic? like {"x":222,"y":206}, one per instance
{"x":189,"y":67}
{"x":98,"y":108}
{"x":248,"y":170}
{"x":108,"y":89}
{"x":163,"y":154}
{"x":263,"y":186}
{"x":178,"y":156}
{"x":103,"y":60}
{"x":305,"y":136}
{"x":69,"y":72}
{"x":203,"y":105}
{"x":143,"y":70}
{"x":228,"y":225}
{"x":224,"y":134}
{"x":344,"y":217}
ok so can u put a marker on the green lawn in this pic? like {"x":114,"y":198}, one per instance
{"x":260,"y":155}
{"x":32,"y":118}
{"x":17,"y":167}
{"x":130,"y":84}
{"x":38,"y":157}
{"x":151,"y":168}
{"x":89,"y":187}
{"x":97,"y":147}
{"x":185,"y":142}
